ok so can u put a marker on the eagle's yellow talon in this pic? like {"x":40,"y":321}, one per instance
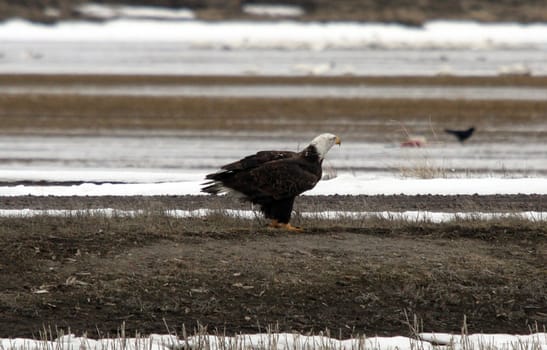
{"x":276,"y":224}
{"x":292,"y":228}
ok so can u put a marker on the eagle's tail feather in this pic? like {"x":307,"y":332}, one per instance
{"x":215,"y":183}
{"x":217,"y":186}
{"x":212,"y":187}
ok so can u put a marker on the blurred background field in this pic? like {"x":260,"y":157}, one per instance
{"x":72,"y":128}
{"x":182,"y":87}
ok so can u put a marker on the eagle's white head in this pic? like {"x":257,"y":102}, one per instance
{"x":324,"y":142}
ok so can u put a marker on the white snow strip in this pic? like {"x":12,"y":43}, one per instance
{"x":107,"y":189}
{"x":99,"y":175}
{"x":426,"y":216}
{"x":345,"y":184}
{"x":289,"y":341}
{"x":100,"y":11}
{"x":488,"y":341}
{"x":356,"y":185}
{"x":285,"y":341}
{"x":410,"y":216}
{"x":287,"y":34}
{"x":72,"y":342}
{"x":273,"y":10}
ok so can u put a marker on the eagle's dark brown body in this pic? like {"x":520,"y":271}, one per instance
{"x":271,"y":179}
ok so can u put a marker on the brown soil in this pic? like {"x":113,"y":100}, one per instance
{"x":91,"y":273}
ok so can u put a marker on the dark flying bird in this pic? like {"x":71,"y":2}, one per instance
{"x":273,"y":179}
{"x":462,"y":135}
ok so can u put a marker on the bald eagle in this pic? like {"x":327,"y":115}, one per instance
{"x":272,"y":179}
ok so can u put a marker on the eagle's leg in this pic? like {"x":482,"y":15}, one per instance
{"x":292,"y":228}
{"x":288,"y":227}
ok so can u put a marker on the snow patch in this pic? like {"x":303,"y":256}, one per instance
{"x":288,"y":35}
{"x":285,"y":341}
{"x":273,"y":10}
{"x":107,"y":12}
{"x":409,"y":216}
{"x":344,"y":184}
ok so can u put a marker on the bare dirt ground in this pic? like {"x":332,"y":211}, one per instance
{"x":92,"y":273}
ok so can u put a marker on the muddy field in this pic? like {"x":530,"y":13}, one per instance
{"x":92,"y":273}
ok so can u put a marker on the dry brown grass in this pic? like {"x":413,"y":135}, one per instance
{"x":154,"y":223}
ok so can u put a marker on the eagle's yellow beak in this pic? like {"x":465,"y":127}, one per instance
{"x":338,"y":141}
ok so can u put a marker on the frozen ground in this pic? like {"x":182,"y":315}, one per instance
{"x":131,"y":46}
